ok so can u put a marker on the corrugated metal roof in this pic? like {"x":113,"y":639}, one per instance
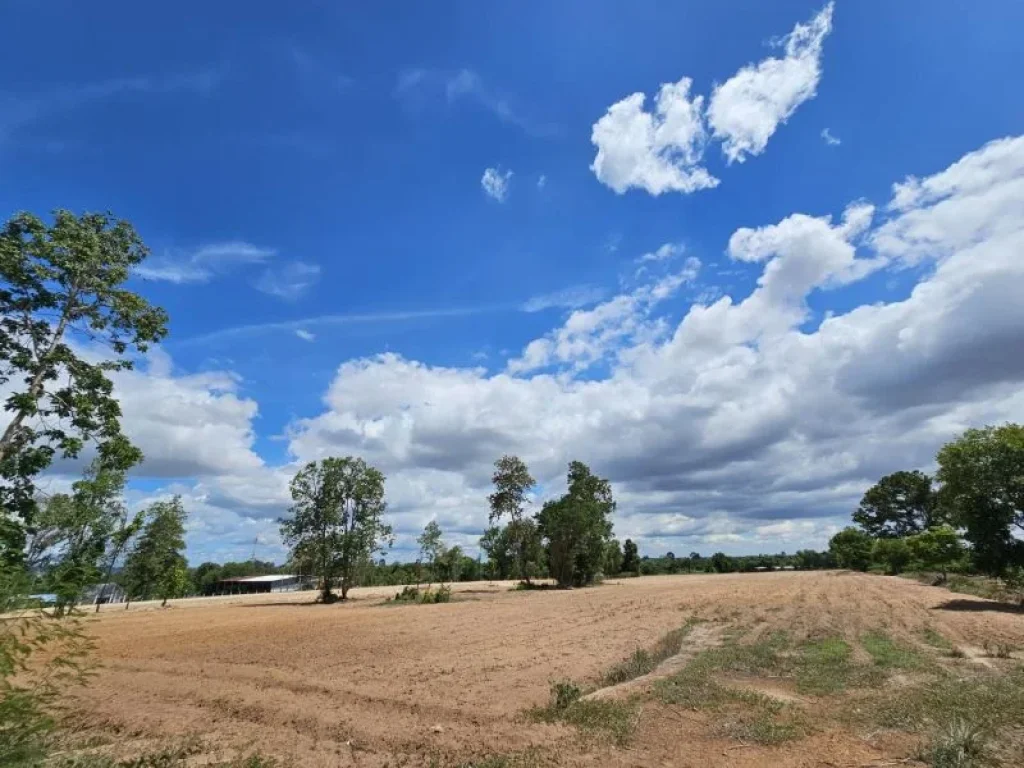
{"x":270,"y":577}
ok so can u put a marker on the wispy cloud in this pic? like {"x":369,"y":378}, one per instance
{"x":21,"y":110}
{"x":289,"y":281}
{"x":418,"y":87}
{"x":542,"y":181}
{"x":574,"y":297}
{"x":495,"y":183}
{"x":367,"y":318}
{"x":663,"y":253}
{"x":832,"y":141}
{"x":316,"y":71}
{"x":204,"y":263}
{"x":305,"y":335}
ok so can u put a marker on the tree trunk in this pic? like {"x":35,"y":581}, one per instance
{"x":164,"y":603}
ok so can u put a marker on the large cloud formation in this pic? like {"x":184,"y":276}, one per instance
{"x":662,"y":150}
{"x":752,"y":423}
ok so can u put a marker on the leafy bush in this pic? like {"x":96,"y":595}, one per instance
{"x":29,"y":691}
{"x":959,"y":745}
{"x":564,"y":694}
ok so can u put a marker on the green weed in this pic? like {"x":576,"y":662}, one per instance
{"x":888,"y":654}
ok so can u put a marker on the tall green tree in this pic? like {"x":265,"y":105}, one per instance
{"x":153,"y":566}
{"x":982,"y":477}
{"x":431,"y":547}
{"x":577,"y":527}
{"x":613,"y":558}
{"x":512,"y":483}
{"x":938,"y":547}
{"x":75,"y":534}
{"x":61,"y":282}
{"x":900,"y":504}
{"x":851,"y":548}
{"x":336,"y":521}
{"x":630,"y":557}
{"x":894,"y":554}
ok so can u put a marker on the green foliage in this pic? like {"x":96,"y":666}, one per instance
{"x":41,"y":655}
{"x":564,"y":694}
{"x":982,"y":476}
{"x":613,"y":558}
{"x":431,"y":546}
{"x":155,"y":566}
{"x":630,"y":557}
{"x":960,"y":744}
{"x":425,"y":596}
{"x":894,"y":554}
{"x":937,"y":548}
{"x":512,"y":483}
{"x":78,"y":537}
{"x":889,"y":654}
{"x":602,"y":718}
{"x":577,"y":527}
{"x":898,"y":505}
{"x":851,"y":548}
{"x":336,"y":523}
{"x":514,"y":550}
{"x":638,"y":664}
{"x":56,"y":282}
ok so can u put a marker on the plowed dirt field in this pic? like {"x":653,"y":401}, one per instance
{"x":368,"y":683}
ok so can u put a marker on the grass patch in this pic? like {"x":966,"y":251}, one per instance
{"x":988,"y":701}
{"x":959,"y":745}
{"x":615,"y":720}
{"x":643,"y":662}
{"x":888,"y":654}
{"x":770,"y":724}
{"x":936,"y":640}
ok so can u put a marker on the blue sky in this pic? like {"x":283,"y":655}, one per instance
{"x":312,"y":186}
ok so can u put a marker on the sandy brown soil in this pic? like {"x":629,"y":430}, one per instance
{"x":371,"y":684}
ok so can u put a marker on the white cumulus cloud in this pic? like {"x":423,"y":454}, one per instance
{"x":659,"y":150}
{"x":745,"y":110}
{"x":495,"y":183}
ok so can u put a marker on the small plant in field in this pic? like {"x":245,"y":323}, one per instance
{"x":564,"y":694}
{"x":638,"y":664}
{"x":956,"y":652}
{"x":408,"y":595}
{"x":959,"y":745}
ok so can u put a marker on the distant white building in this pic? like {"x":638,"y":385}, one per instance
{"x":103,"y":593}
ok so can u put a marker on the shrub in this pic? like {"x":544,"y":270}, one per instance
{"x":564,"y":694}
{"x":959,"y":745}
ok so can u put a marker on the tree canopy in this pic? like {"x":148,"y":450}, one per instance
{"x":58,"y":283}
{"x":336,"y":520}
{"x":153,"y":568}
{"x":982,"y":476}
{"x":899,"y":504}
{"x":577,"y":527}
{"x":851,"y":548}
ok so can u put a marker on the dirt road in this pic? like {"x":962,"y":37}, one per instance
{"x":371,"y":684}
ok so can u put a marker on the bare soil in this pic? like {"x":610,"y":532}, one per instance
{"x":367,"y":683}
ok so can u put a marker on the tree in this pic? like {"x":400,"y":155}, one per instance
{"x":76,"y":538}
{"x":59,"y":283}
{"x":851,"y":548}
{"x":982,"y":477}
{"x":898,"y":505}
{"x":613,"y":558}
{"x":938,"y":547}
{"x":894,"y":554}
{"x":431,"y":547}
{"x":336,"y":523}
{"x":630,"y":557}
{"x":722,"y":563}
{"x":577,"y":527}
{"x":512,"y":482}
{"x":150,"y":567}
{"x":495,"y":542}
